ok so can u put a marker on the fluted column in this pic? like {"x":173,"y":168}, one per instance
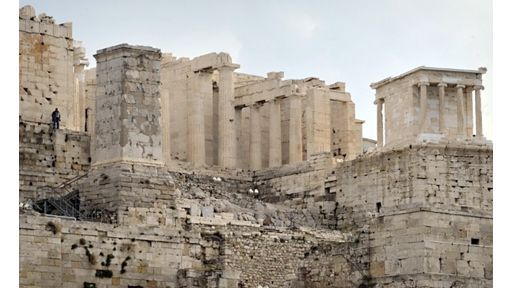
{"x":442,"y":104}
{"x":460,"y":109}
{"x":423,"y":106}
{"x":478,"y":111}
{"x":227,"y":134}
{"x":255,"y":146}
{"x":295,"y":129}
{"x":274,"y":153}
{"x":380,"y":124}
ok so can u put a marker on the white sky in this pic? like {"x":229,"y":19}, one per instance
{"x":357,"y":42}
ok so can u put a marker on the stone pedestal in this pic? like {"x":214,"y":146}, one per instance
{"x":128,"y":105}
{"x":127,"y":167}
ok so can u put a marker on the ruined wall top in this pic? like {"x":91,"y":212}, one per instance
{"x":208,"y":61}
{"x":51,"y":70}
{"x":42,"y":23}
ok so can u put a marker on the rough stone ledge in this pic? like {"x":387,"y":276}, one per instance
{"x":465,"y":146}
{"x":473,"y":214}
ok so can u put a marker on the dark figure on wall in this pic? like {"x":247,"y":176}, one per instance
{"x":55,"y":119}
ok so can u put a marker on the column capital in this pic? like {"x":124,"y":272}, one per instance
{"x":442,"y":84}
{"x":460,"y":86}
{"x":423,"y":83}
{"x":227,"y":67}
{"x":478,"y":87}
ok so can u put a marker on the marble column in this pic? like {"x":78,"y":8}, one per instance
{"x":274,"y":153}
{"x":196,"y":151}
{"x":238,"y":127}
{"x":469,"y":111}
{"x":423,"y":107}
{"x":318,"y":122}
{"x":478,"y":111}
{"x":255,"y":144}
{"x":227,"y":136}
{"x":460,"y":109}
{"x":380,"y":124}
{"x":295,"y":129}
{"x":442,"y":104}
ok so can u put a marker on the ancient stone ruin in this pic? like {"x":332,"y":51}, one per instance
{"x":177,"y":172}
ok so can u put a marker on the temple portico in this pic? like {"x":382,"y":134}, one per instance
{"x":429,"y":104}
{"x":235,"y":120}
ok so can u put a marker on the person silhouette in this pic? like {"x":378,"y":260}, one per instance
{"x":55,"y":118}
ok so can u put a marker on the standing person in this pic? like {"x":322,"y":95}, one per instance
{"x":55,"y":119}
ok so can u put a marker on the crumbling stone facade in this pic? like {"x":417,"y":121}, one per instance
{"x":49,"y":158}
{"x":51,"y":70}
{"x":184,"y":173}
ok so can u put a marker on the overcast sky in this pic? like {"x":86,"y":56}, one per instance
{"x":356,"y":42}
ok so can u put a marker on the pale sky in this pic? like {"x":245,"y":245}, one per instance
{"x":356,"y":42}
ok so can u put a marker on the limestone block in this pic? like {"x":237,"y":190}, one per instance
{"x":207,"y":211}
{"x":27,"y":12}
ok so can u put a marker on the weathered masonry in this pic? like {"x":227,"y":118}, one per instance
{"x":182,"y":172}
{"x":51,"y":71}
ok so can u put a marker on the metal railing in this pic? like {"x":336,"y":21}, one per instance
{"x":63,"y":200}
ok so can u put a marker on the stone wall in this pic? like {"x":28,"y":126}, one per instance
{"x":428,"y":210}
{"x":289,"y":259}
{"x":119,"y":185}
{"x":49,"y":157}
{"x":48,"y":58}
{"x":162,"y":248}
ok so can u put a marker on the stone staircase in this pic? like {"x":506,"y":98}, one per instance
{"x":64,"y":200}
